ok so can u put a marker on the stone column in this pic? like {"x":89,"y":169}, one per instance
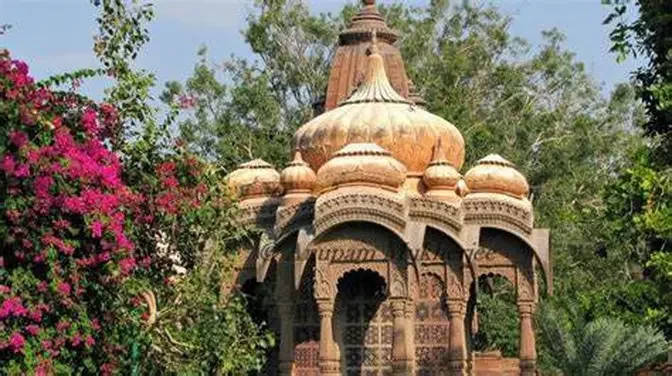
{"x":402,"y":359}
{"x":328,"y":360}
{"x":286,"y":338}
{"x":528,"y":351}
{"x":458,"y":347}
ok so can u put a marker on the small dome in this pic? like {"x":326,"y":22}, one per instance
{"x":440,"y":175}
{"x":494,"y":174}
{"x":298,"y":177}
{"x":255,"y":178}
{"x":361,"y":164}
{"x":376,"y":113}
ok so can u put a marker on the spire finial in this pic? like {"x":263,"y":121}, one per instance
{"x":374,"y":43}
{"x":297,"y":155}
{"x":439,"y":154}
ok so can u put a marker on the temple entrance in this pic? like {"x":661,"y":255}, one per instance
{"x":363,"y":325}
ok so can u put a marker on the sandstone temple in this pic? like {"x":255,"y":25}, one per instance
{"x":373,"y":242}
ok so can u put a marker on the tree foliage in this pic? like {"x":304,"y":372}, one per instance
{"x":601,"y":347}
{"x":638,"y":216}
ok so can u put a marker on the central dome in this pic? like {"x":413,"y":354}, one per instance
{"x":375,"y":113}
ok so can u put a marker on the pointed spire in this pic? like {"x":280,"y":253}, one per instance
{"x":376,"y":86}
{"x":439,"y":155}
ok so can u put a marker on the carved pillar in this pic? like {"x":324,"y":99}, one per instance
{"x":410,"y":330}
{"x":286,"y":338}
{"x":402,"y":359}
{"x":328,"y":359}
{"x":458,"y":347}
{"x":528,"y":351}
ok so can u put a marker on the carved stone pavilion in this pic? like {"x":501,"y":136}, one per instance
{"x":372,"y":241}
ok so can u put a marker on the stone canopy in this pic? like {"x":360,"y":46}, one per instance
{"x":372,"y":240}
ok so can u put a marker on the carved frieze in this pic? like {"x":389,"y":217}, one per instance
{"x":288,"y":217}
{"x":439,"y":213}
{"x":514,"y":214}
{"x":261,"y":214}
{"x":385,"y":208}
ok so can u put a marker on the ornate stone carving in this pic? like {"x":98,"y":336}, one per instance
{"x":258,"y":212}
{"x":323,"y":288}
{"x":525,"y":287}
{"x":386,"y":209}
{"x":441,"y":214}
{"x":289,"y":217}
{"x":455,"y":288}
{"x":504,"y":211}
{"x":398,"y":286}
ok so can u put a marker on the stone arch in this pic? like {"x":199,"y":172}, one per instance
{"x":443,"y":255}
{"x":524,"y":242}
{"x":363,"y":327}
{"x":361,"y":245}
{"x":335,"y":225}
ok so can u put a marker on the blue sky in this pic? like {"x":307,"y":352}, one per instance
{"x":55,"y":36}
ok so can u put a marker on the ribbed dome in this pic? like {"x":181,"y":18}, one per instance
{"x":298,"y":177}
{"x":375,"y":113}
{"x":440,"y":175}
{"x":363,"y":164}
{"x":254,"y":179}
{"x":494,"y":174}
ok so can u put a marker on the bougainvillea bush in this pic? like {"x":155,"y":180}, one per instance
{"x":65,"y":222}
{"x":111,"y":263}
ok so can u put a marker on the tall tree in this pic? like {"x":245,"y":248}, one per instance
{"x":639,"y":210}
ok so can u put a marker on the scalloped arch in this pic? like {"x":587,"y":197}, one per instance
{"x":545,"y":268}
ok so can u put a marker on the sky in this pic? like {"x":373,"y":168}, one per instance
{"x":55,"y":36}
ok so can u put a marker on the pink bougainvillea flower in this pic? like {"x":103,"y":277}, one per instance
{"x":18,"y":138}
{"x":127,"y":265}
{"x":64,"y":288}
{"x":76,"y":339}
{"x":97,"y":229}
{"x":8,"y":164}
{"x":62,"y":326}
{"x":32,"y":329}
{"x":16,"y":342}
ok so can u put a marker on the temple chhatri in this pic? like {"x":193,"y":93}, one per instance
{"x":373,"y":241}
